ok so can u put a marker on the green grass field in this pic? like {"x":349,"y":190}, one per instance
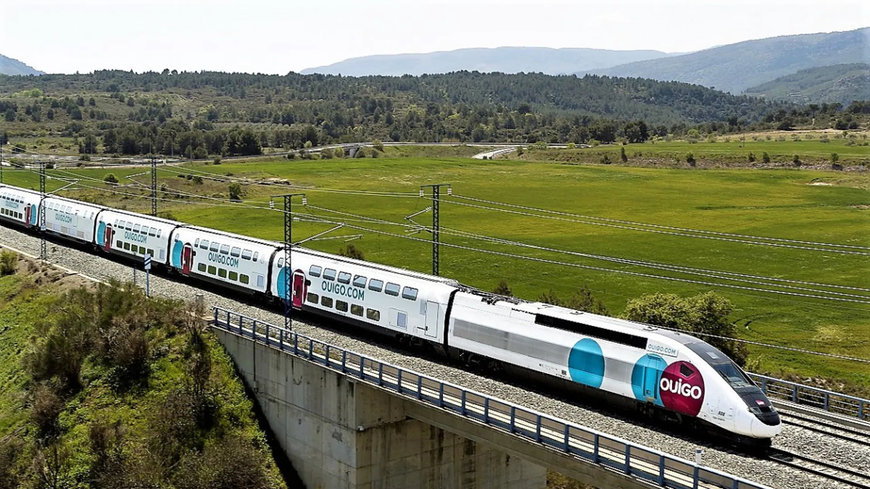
{"x":788,"y":204}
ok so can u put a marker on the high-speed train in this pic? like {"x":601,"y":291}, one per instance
{"x":657,"y":370}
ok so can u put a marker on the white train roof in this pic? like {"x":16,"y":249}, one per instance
{"x":378,"y":266}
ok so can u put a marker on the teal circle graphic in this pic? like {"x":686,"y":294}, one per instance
{"x":586,"y":363}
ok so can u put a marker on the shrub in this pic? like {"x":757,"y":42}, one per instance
{"x":378,"y":145}
{"x":45,"y":408}
{"x":8,"y":262}
{"x":111,"y":179}
{"x":622,"y":155}
{"x":217,"y":160}
{"x":351,"y":251}
{"x":503,"y":288}
{"x":765,"y":157}
{"x":583,"y":300}
{"x":751,"y":157}
{"x":690,"y":159}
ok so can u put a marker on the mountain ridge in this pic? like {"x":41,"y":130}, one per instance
{"x":736,"y":67}
{"x":12,"y":66}
{"x":505,"y":59}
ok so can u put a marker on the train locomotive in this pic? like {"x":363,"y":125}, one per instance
{"x":651,"y":368}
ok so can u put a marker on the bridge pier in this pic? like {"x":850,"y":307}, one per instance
{"x":339,"y":433}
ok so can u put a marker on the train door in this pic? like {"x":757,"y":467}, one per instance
{"x":28,"y":212}
{"x":186,"y":259}
{"x":108,"y":236}
{"x":652,"y":367}
{"x":431,"y":318}
{"x":298,"y":288}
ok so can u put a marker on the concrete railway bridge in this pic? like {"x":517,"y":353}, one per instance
{"x":348,"y":421}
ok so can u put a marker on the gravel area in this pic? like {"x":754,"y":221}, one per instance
{"x":749,"y":467}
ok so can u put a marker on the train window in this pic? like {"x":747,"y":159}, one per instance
{"x":201,"y":267}
{"x":314,"y":271}
{"x":256,"y":255}
{"x":136,"y":228}
{"x":246,"y":254}
{"x":212,"y":269}
{"x":391,"y":289}
{"x":313,"y":298}
{"x":119,"y":224}
{"x":234,"y":276}
{"x":359,"y":281}
{"x":158,"y":232}
{"x":151,"y":252}
{"x":280,"y":262}
{"x":593,"y":331}
{"x":326,"y":301}
{"x":356,"y":310}
{"x":214,"y":246}
{"x":225,"y":249}
{"x":119,"y":244}
{"x":222,"y":272}
{"x":686,"y":371}
{"x":376,"y":285}
{"x":152,"y":232}
{"x":343,"y":277}
{"x":373,"y":314}
{"x":329,"y":274}
{"x":127,"y":246}
{"x":204,"y":244}
{"x":236,"y":251}
{"x":244,"y":279}
{"x":134,"y":248}
{"x":341,"y":306}
{"x":409,"y":293}
{"x":196,"y":243}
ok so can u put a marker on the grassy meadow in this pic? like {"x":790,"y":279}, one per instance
{"x":795,"y":204}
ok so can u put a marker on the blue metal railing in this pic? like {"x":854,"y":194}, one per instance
{"x":644,"y":463}
{"x":805,"y":395}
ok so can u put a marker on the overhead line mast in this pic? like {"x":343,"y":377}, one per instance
{"x":436,"y":223}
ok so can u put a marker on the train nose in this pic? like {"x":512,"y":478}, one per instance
{"x":762,"y":429}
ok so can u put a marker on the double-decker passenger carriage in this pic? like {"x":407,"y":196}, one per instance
{"x":409,"y":305}
{"x":230,"y":260}
{"x":19,"y":206}
{"x":71,"y":218}
{"x":133,"y":235}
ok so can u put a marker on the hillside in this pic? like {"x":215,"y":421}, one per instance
{"x":827,"y":84}
{"x":736,"y":67}
{"x":11,"y":66}
{"x":101,"y":387}
{"x":487,"y":60}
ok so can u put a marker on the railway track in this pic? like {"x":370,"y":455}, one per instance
{"x":820,"y":468}
{"x":828,"y":428}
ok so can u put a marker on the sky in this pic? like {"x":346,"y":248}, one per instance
{"x":278,"y":36}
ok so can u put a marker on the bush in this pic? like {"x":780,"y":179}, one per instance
{"x":111,"y":179}
{"x":217,"y":160}
{"x":236,"y":192}
{"x":8,"y":262}
{"x":704,"y":313}
{"x":583,"y":300}
{"x":378,"y":145}
{"x":351,"y":251}
{"x":503,"y":288}
{"x":690,"y":159}
{"x":45,"y":408}
{"x":765,"y":158}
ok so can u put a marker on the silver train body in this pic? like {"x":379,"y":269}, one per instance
{"x":638,"y":363}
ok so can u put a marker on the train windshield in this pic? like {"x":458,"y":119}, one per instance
{"x":722,"y":364}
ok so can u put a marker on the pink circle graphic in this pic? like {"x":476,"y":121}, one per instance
{"x":682,"y":388}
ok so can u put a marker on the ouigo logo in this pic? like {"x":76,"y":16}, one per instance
{"x":681,"y":388}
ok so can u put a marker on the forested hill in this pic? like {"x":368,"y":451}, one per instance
{"x":242,"y":112}
{"x":273,"y":98}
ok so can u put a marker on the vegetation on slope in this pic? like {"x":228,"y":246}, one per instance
{"x":105,"y":388}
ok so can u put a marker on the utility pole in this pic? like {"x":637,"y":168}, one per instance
{"x":153,"y":185}
{"x":1,"y":161}
{"x":43,"y":255}
{"x":436,"y":224}
{"x":288,"y":242}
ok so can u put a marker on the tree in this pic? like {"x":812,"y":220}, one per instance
{"x":236,"y":192}
{"x":503,"y":288}
{"x":351,"y":251}
{"x":583,"y":300}
{"x":705,"y":313}
{"x":550,"y":297}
